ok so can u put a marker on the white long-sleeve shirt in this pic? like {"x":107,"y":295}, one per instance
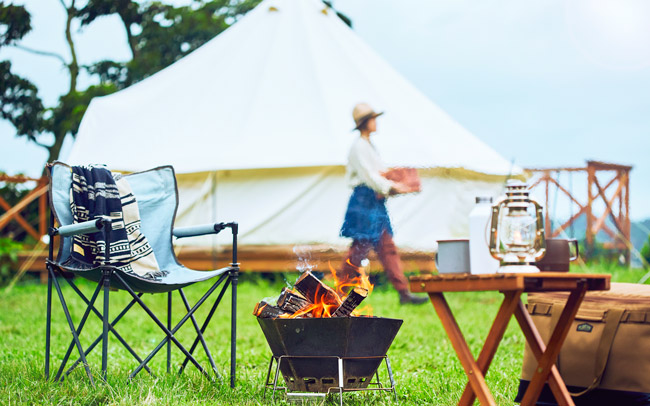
{"x":365,"y":167}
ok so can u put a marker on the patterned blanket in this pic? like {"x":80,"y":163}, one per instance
{"x":97,"y":192}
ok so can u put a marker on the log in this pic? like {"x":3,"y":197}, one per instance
{"x":267,"y":311}
{"x":316,"y":291}
{"x":351,"y":302}
{"x":292,"y":302}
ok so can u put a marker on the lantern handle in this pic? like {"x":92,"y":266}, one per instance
{"x":494,"y":250}
{"x":540,"y":238}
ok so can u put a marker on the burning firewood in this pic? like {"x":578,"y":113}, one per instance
{"x":350,"y":303}
{"x":265,"y":310}
{"x":292,"y":302}
{"x":312,"y":298}
{"x":316,"y":291}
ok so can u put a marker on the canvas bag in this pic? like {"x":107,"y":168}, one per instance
{"x":608,"y":345}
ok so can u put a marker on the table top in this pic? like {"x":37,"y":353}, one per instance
{"x":527,"y":282}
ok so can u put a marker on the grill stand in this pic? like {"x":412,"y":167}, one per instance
{"x":339,"y":389}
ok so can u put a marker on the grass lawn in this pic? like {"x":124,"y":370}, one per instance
{"x":424,"y":363}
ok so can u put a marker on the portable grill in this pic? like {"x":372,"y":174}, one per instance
{"x":318,"y":356}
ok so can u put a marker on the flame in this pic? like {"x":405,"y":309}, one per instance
{"x":258,"y":309}
{"x":364,"y":311}
{"x":344,"y":286}
{"x":322,"y":303}
{"x":319,"y":307}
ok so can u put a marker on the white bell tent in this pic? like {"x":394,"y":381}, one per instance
{"x":257,"y":124}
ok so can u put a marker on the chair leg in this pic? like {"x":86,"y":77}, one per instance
{"x":199,"y":335}
{"x":112,"y":329}
{"x":234,"y":274}
{"x":107,"y":285}
{"x":79,"y":329}
{"x":169,"y":327}
{"x":207,"y":321}
{"x":72,"y":328}
{"x":48,"y":324}
{"x":168,"y":334}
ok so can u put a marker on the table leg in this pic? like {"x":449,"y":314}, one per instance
{"x":547,"y":360}
{"x":494,"y":337}
{"x":538,"y":347}
{"x":476,"y":378}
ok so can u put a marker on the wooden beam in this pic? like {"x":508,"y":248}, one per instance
{"x":568,"y":222}
{"x":611,"y":182}
{"x":567,"y":193}
{"x":538,"y":181}
{"x":18,"y":178}
{"x":561,"y":169}
{"x":256,"y":259}
{"x":606,"y":166}
{"x":547,"y":219}
{"x":627,"y":221}
{"x":20,"y":220}
{"x":30,"y":197}
{"x":42,"y":215}
{"x":591,"y":175}
{"x":609,"y":232}
{"x":608,"y":206}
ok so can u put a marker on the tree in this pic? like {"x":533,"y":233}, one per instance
{"x":126,"y":9}
{"x":165,"y":33}
{"x":158,"y":35}
{"x":21,"y":105}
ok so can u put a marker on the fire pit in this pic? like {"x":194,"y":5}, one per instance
{"x":309,"y":351}
{"x":321,"y":341}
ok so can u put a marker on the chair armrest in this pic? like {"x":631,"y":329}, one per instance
{"x":194,"y":231}
{"x":87,"y":227}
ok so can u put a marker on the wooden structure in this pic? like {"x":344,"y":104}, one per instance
{"x":512,"y":286}
{"x":601,"y":179}
{"x":14,"y":213}
{"x":258,"y":259}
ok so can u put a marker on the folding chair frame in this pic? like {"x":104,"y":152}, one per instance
{"x":109,"y":274}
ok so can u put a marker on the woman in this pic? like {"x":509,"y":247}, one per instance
{"x":366,"y":220}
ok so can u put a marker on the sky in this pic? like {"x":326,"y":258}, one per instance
{"x":546,"y":83}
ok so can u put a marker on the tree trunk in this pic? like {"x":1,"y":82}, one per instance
{"x":55,"y":148}
{"x":73,"y":66}
{"x":129,"y":37}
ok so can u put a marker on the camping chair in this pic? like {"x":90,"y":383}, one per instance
{"x":157,"y":198}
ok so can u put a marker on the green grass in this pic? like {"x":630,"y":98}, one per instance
{"x":424,"y":363}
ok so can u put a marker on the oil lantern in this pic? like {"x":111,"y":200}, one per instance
{"x":517,"y":230}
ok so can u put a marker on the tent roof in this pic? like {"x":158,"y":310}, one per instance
{"x":274,"y":90}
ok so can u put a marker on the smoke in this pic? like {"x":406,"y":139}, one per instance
{"x":272,"y":301}
{"x":303,"y":253}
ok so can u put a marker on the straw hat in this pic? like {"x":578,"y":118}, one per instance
{"x":363,"y":112}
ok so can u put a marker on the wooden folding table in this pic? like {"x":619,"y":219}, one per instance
{"x":512,"y":286}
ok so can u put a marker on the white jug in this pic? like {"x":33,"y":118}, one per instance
{"x":481,"y":261}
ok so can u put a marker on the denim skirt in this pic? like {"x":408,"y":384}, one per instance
{"x":366,"y":217}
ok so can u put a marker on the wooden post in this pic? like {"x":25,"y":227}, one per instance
{"x":627,"y":222}
{"x":589,"y":236}
{"x":547,"y":218}
{"x":42,"y":210}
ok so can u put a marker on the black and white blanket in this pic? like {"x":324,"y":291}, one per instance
{"x":97,"y":192}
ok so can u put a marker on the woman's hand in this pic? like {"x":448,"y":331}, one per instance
{"x":399,"y":188}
